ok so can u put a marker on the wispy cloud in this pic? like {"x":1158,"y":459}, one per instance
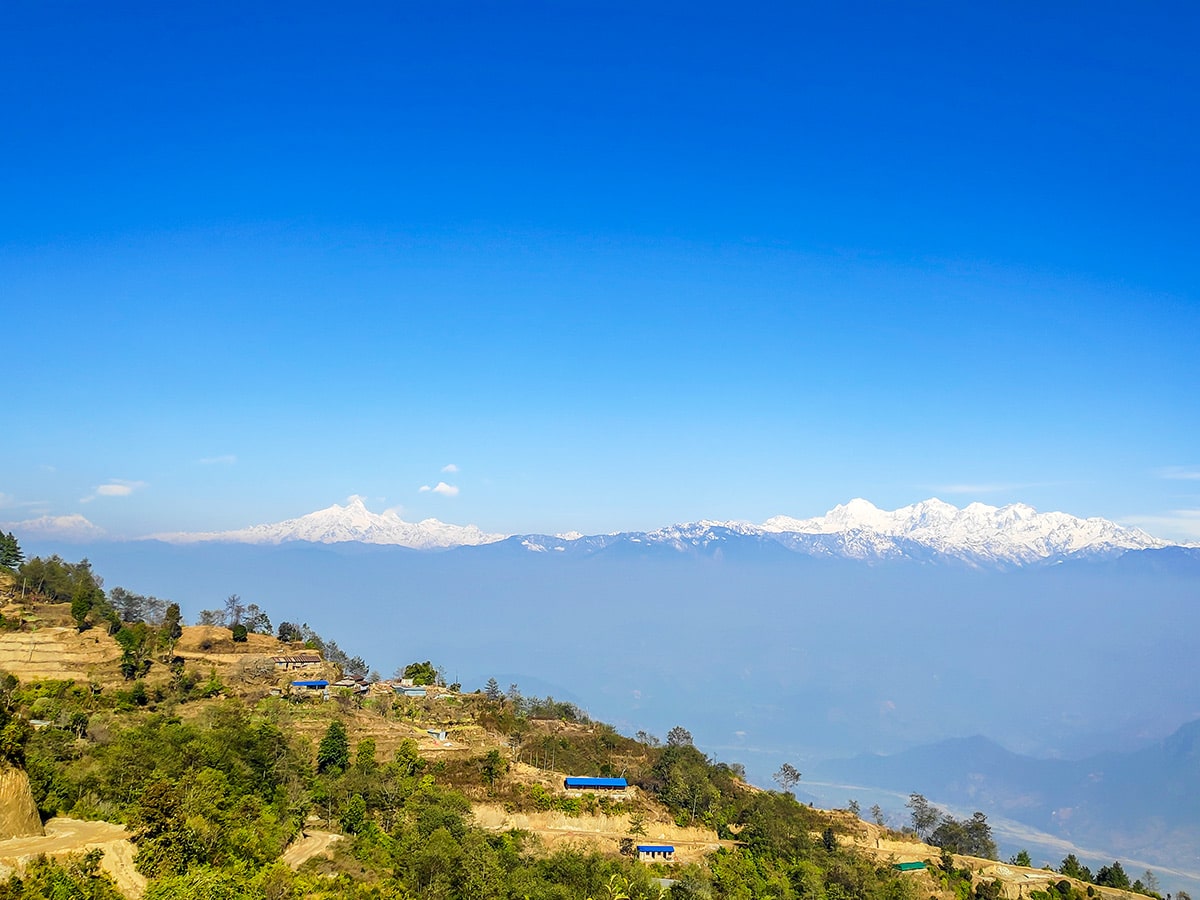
{"x":72,"y":528}
{"x":446,"y":490}
{"x":984,"y":487}
{"x":1173,"y":525}
{"x":8,"y":501}
{"x":226,"y":459}
{"x":115,"y":487}
{"x":1179,"y":473}
{"x":450,"y":467}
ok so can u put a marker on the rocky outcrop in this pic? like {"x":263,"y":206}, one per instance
{"x":18,"y":813}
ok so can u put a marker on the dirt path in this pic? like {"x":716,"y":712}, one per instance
{"x":68,"y":836}
{"x":314,"y":843}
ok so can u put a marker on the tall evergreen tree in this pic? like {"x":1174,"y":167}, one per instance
{"x":10,"y":551}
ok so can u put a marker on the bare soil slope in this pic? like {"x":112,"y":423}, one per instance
{"x":60,"y":652}
{"x":65,"y":837}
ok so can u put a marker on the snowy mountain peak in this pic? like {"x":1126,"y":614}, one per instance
{"x":1014,"y":534}
{"x":350,"y":523}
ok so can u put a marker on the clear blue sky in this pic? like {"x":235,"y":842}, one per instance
{"x":620,"y":264}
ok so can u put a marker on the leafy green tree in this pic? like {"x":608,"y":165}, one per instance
{"x":137,"y":644}
{"x":60,"y":581}
{"x":420,"y":672}
{"x":829,"y":840}
{"x":165,"y":845}
{"x":289,"y":632}
{"x":333,"y":753}
{"x":354,"y":816}
{"x":78,"y":878}
{"x":1022,"y":859}
{"x":239,"y":633}
{"x":364,"y":757}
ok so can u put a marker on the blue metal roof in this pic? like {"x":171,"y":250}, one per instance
{"x":573,"y":782}
{"x":310,"y":684}
{"x":655,"y":848}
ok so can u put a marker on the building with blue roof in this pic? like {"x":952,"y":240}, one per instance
{"x":572,"y":783}
{"x":656,"y":852}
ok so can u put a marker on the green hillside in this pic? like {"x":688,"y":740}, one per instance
{"x":233,"y":782}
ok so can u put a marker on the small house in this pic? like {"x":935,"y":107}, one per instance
{"x":354,"y":685}
{"x":656,"y":852}
{"x":297,"y":661}
{"x":310,"y":688}
{"x":573,"y":783}
{"x":410,"y":690}
{"x":908,"y":866}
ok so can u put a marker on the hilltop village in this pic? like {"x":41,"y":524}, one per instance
{"x":147,"y":758}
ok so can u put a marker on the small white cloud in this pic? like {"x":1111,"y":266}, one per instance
{"x":446,"y":490}
{"x":72,"y":528}
{"x":114,"y":490}
{"x":116,"y":487}
{"x":450,"y":467}
{"x":1179,"y":473}
{"x":225,"y":459}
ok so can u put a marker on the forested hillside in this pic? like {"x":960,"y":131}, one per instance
{"x":237,"y":775}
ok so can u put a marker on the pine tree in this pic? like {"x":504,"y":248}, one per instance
{"x":10,"y":551}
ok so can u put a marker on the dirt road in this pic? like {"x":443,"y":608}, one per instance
{"x":314,"y":843}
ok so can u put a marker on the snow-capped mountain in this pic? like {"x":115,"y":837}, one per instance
{"x":977,"y":534}
{"x":1016,"y":533}
{"x":350,"y":523}
{"x":932,"y":529}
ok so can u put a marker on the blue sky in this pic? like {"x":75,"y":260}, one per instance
{"x":617,"y":265}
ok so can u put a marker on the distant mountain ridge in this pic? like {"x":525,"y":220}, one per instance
{"x":1140,"y":802}
{"x":345,"y":524}
{"x":977,"y":534}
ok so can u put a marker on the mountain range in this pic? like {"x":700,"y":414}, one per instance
{"x":977,"y":534}
{"x":1139,"y":803}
